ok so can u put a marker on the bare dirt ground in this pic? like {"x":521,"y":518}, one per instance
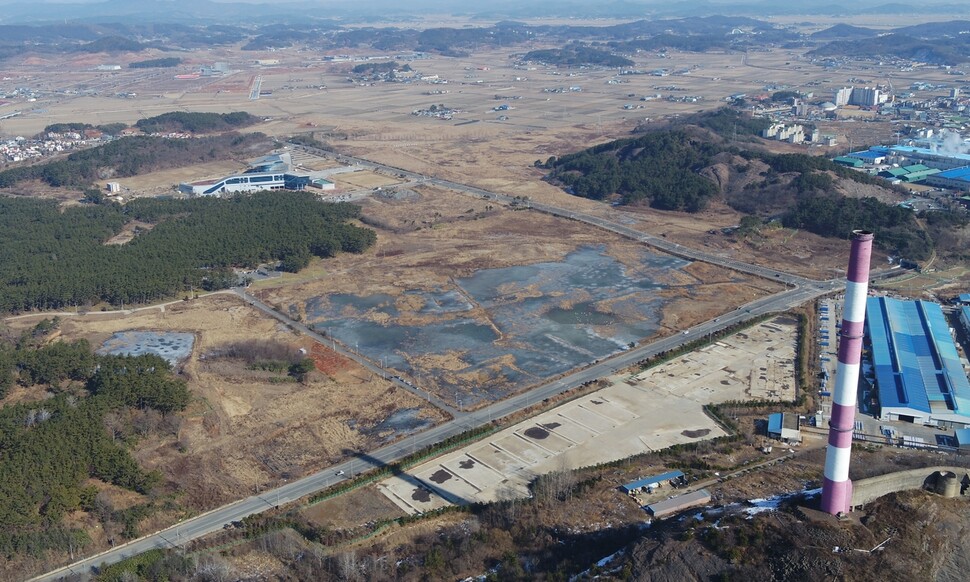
{"x":167,"y":181}
{"x":248,"y":429}
{"x":352,"y":510}
{"x":425,"y":243}
{"x":431,"y":237}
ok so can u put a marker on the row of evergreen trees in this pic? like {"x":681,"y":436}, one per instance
{"x":131,"y":156}
{"x":51,"y":259}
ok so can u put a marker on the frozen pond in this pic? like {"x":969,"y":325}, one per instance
{"x":503,"y":329}
{"x":174,"y":347}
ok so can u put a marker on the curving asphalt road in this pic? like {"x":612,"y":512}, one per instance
{"x":801,"y":290}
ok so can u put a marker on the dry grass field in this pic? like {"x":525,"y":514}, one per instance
{"x":246,"y":429}
{"x":476,"y":147}
{"x":429,"y":238}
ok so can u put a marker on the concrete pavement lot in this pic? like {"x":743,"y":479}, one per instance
{"x":648,"y":411}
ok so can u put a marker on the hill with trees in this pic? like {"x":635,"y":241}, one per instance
{"x":844,"y":31}
{"x":576,"y":55}
{"x":112,"y":44}
{"x":61,"y":260}
{"x":52,"y":449}
{"x":162,"y":63}
{"x":950,"y":51}
{"x":195,"y":122}
{"x":131,"y":156}
{"x":660,"y":169}
{"x":685,"y":167}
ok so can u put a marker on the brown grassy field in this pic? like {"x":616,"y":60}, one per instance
{"x":246,"y":429}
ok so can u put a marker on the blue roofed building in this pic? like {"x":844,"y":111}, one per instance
{"x":918,"y":373}
{"x":933,"y":158}
{"x":873,"y":155}
{"x":955,"y":179}
{"x":784,"y":426}
{"x":649,"y":483}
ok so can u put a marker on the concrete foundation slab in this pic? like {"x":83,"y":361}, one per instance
{"x":410,"y":495}
{"x":544,"y":435}
{"x":608,"y":408}
{"x":448,"y":484}
{"x":522,"y":448}
{"x":478,"y":474}
{"x":651,"y":410}
{"x":568,"y":429}
{"x":497,"y":459}
{"x":588,"y":419}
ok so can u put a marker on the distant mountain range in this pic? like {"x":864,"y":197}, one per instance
{"x":187,"y":24}
{"x":940,"y":43}
{"x":208,"y":11}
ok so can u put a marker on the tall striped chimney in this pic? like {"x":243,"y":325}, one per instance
{"x":837,"y":488}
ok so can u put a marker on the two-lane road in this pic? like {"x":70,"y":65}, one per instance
{"x":801,"y":290}
{"x":216,"y":519}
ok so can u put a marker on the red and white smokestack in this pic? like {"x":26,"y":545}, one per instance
{"x":836,"y":488}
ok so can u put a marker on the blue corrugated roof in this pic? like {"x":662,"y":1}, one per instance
{"x":929,"y":152}
{"x":956,"y":174}
{"x":914,"y":357}
{"x":867,"y":155}
{"x":648,"y":481}
{"x":774,"y":422}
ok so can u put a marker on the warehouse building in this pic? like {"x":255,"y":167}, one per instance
{"x":784,"y":426}
{"x":679,"y":503}
{"x":918,"y":373}
{"x":955,"y":179}
{"x":909,"y":174}
{"x":874,"y":155}
{"x":943,"y":160}
{"x":648,"y":484}
{"x":850,"y":162}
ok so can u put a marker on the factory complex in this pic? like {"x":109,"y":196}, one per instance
{"x":912,"y":164}
{"x":918,"y":372}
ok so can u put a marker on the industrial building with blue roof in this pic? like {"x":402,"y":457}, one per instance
{"x":956,"y":179}
{"x":918,"y":373}
{"x":934,"y":158}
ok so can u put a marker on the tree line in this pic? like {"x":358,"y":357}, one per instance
{"x":196,"y":122}
{"x":131,"y":156}
{"x":61,"y":260}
